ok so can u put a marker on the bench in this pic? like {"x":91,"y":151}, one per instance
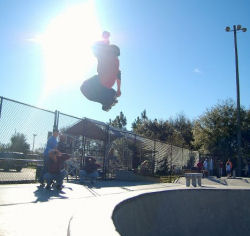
{"x":196,"y":177}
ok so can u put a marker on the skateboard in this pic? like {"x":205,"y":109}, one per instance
{"x":107,"y":108}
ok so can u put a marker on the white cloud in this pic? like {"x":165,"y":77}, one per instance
{"x":35,"y":39}
{"x":197,"y":70}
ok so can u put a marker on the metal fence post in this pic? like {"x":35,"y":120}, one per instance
{"x":106,"y":142}
{"x":171,"y":155}
{"x":82,"y":162}
{"x":135,"y":161}
{"x":182,"y":156}
{"x":1,"y":104}
{"x":56,"y":120}
{"x":123,"y":152}
{"x":154,"y":158}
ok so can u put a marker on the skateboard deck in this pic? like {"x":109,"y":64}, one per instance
{"x":107,"y":108}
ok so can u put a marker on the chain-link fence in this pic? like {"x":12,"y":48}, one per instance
{"x":24,"y":130}
{"x":23,"y":135}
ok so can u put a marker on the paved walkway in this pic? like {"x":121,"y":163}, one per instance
{"x":29,"y":210}
{"x":26,"y":209}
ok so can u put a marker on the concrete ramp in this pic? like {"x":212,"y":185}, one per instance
{"x":185,"y":212}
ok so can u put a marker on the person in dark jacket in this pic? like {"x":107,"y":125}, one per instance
{"x":56,"y":163}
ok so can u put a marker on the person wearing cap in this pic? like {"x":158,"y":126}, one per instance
{"x":90,"y":170}
{"x":99,"y":87}
{"x":51,"y":145}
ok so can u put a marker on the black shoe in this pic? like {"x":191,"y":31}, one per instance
{"x":48,"y":187}
{"x":42,"y":185}
{"x":105,"y":108}
{"x":59,"y":187}
{"x":108,"y":107}
{"x":114,"y":102}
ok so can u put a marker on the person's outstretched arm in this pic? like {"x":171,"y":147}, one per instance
{"x":118,"y":93}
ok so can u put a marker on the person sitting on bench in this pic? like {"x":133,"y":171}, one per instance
{"x":90,"y":170}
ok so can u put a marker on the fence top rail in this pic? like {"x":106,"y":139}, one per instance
{"x":96,"y":122}
{"x":22,"y":103}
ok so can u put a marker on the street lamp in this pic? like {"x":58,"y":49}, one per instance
{"x":34,"y":136}
{"x":235,"y":29}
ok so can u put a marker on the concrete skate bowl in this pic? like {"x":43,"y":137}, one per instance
{"x":208,"y":212}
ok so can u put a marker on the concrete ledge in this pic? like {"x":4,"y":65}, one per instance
{"x":185,"y":212}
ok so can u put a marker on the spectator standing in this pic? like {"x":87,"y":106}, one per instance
{"x":234,"y":167}
{"x":229,"y":167}
{"x":220,"y":168}
{"x":200,"y":166}
{"x":205,"y":165}
{"x":211,"y":166}
{"x":246,"y":170}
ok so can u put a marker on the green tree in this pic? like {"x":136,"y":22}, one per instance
{"x":183,"y":130}
{"x":160,"y":130}
{"x":176,"y":131}
{"x":119,"y":121}
{"x":144,"y":116}
{"x":139,"y":121}
{"x":4,"y":147}
{"x":18,"y":143}
{"x":245,"y":133}
{"x":215,"y":132}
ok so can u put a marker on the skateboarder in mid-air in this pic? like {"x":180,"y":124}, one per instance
{"x":99,"y":87}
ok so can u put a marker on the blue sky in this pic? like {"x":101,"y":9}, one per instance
{"x":175,"y":54}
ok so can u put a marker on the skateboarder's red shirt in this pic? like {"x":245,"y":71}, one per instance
{"x":108,"y":70}
{"x":108,"y":65}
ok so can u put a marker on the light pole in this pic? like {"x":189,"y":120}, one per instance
{"x":235,"y":29}
{"x":34,"y":136}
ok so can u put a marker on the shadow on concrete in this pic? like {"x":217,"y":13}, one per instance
{"x":115,"y":183}
{"x":246,"y":181}
{"x":217,"y":180}
{"x":44,"y":195}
